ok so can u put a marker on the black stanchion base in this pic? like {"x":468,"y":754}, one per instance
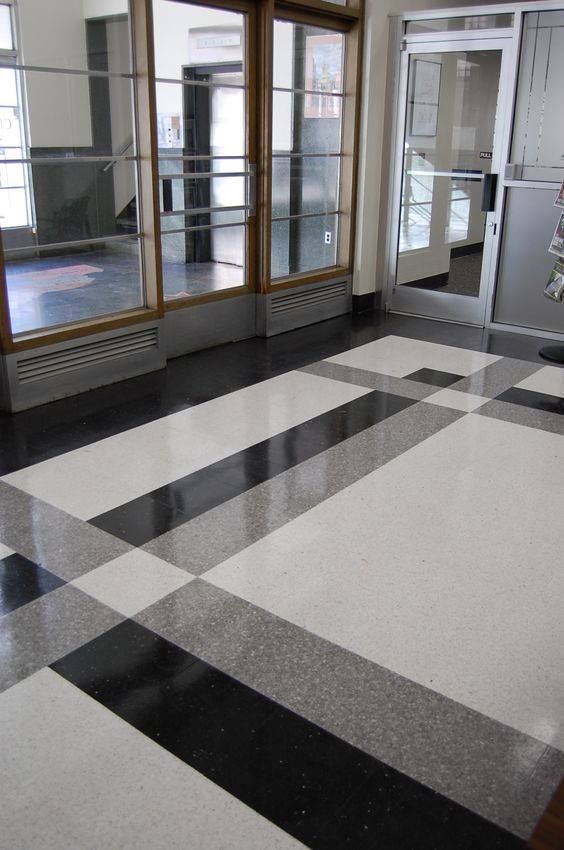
{"x":554,"y":353}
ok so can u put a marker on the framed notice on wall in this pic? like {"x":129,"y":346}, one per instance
{"x":323,"y":77}
{"x":425,"y":98}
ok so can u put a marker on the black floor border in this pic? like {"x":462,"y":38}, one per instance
{"x":314,"y":786}
{"x":153,"y":514}
{"x":533,"y":399}
{"x":50,"y":430}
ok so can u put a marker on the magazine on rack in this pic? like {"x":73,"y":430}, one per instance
{"x":559,"y":202}
{"x":555,"y":286}
{"x":557,"y":244}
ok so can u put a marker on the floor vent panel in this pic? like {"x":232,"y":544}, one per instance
{"x":42,"y":366}
{"x":289,"y":301}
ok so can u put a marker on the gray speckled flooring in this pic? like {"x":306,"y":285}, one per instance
{"x":347,"y":569}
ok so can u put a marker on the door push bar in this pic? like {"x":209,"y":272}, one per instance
{"x":489,"y":192}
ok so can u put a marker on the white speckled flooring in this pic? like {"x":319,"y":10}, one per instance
{"x":322,"y":610}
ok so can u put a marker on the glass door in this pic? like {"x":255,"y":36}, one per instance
{"x":446,"y":228}
{"x":206,"y":149}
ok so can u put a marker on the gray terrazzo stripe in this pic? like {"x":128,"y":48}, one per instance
{"x":478,"y":762}
{"x":521,"y":415}
{"x":497,"y":377}
{"x":212,"y":537}
{"x":365,"y":378}
{"x":61,"y":543}
{"x":48,"y":628}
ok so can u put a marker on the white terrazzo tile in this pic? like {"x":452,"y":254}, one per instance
{"x":74,"y":775}
{"x":400,"y":356}
{"x":445,"y":566}
{"x":457,"y":400}
{"x":549,"y":380}
{"x":5,"y":552}
{"x":103,"y":475}
{"x":282,"y":402}
{"x":132,"y":582}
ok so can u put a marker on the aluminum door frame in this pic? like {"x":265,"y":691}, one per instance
{"x":443,"y":305}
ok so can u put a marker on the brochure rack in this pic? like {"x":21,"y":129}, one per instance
{"x":555,"y":286}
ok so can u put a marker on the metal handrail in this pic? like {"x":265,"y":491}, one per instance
{"x":119,"y":156}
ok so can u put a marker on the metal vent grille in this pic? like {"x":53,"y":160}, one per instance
{"x":43,"y":366}
{"x":288,"y":301}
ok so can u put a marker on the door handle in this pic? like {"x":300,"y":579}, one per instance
{"x":489,"y":192}
{"x":252,"y":190}
{"x":167,"y":196}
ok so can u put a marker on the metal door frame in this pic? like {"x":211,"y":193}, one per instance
{"x":442,"y":305}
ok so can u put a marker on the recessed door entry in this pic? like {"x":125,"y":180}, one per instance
{"x":447,"y":207}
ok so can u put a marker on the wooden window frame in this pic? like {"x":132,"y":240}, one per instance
{"x":259,"y":46}
{"x":348,"y":21}
{"x":150,"y":266}
{"x":252,"y":48}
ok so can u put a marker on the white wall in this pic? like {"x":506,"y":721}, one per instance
{"x":104,"y":8}
{"x":120,"y":113}
{"x":54,"y":34}
{"x":172,"y":22}
{"x":283,"y":77}
{"x":374,"y":164}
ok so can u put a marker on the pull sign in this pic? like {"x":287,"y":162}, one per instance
{"x":485,"y":154}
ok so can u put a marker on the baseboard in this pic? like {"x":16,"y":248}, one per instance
{"x":464,"y":250}
{"x":286,"y":309}
{"x":435,"y":281}
{"x":364,"y":303}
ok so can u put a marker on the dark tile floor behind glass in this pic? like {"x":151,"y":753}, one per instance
{"x":34,"y":435}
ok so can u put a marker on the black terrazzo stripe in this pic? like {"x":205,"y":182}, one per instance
{"x":434,"y":377}
{"x":155,"y":513}
{"x":323,"y":791}
{"x":530,"y":398}
{"x":41,"y":433}
{"x":22,"y":581}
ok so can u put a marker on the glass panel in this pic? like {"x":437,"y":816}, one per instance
{"x":305,"y":185}
{"x":191,"y":37}
{"x":450,"y":121}
{"x":75,"y":115}
{"x":307,"y":119}
{"x":77,"y":201}
{"x":303,"y":245}
{"x":6,"y":40}
{"x":78,"y":37}
{"x":69,"y":118}
{"x":10,"y":133}
{"x":538,"y":139}
{"x":201,"y":120}
{"x":307,"y":57}
{"x":13,"y":208}
{"x":202,"y":193}
{"x":175,"y":222}
{"x":11,"y":175}
{"x":57,"y":288}
{"x":306,"y":123}
{"x":202,"y":129}
{"x":469,"y":22}
{"x":203,"y":261}
{"x":8,"y":88}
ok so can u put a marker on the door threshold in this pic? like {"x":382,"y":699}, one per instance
{"x":435,"y":319}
